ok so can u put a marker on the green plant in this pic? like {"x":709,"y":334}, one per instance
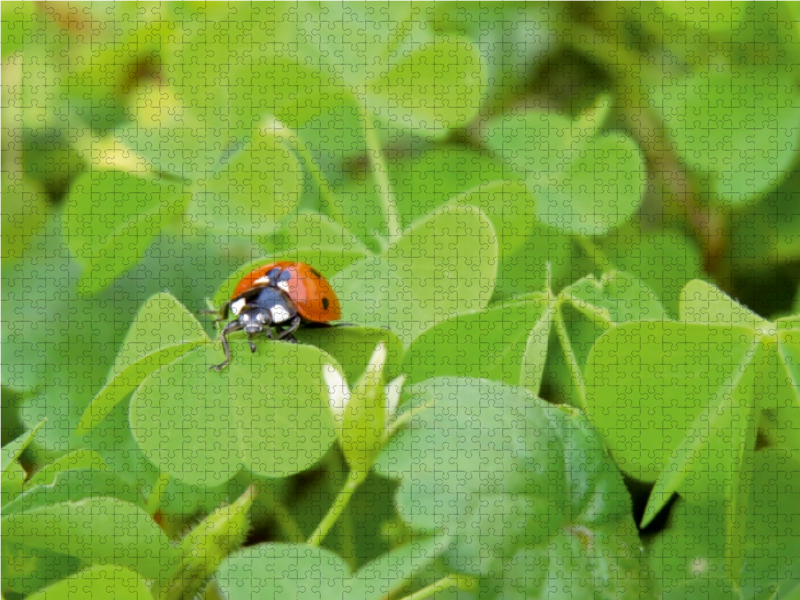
{"x":565,"y":239}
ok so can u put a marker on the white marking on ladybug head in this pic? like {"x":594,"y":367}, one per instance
{"x":254,"y":320}
{"x":262,"y":280}
{"x":236,"y":307}
{"x":279,"y":314}
{"x":284,"y":285}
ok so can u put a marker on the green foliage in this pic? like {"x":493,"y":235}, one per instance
{"x":90,"y":583}
{"x":559,"y":158}
{"x":564,"y":241}
{"x":271,"y":423}
{"x":82,"y":528}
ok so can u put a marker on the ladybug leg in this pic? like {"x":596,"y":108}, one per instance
{"x":267,"y":331}
{"x":221,"y":314}
{"x":286,"y":334}
{"x":229,"y":328}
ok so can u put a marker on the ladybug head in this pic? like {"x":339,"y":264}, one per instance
{"x":254,"y":320}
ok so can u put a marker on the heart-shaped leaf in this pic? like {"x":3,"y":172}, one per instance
{"x":254,"y":190}
{"x":96,"y":530}
{"x":441,"y":266}
{"x":95,"y":582}
{"x":585,"y":180}
{"x":490,"y":344}
{"x":267,"y":412}
{"x":112,"y":217}
{"x":163,"y":330}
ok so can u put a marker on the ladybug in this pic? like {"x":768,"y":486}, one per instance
{"x":277,"y":299}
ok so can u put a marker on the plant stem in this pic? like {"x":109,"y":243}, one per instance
{"x":380,"y":171}
{"x":326,"y":194}
{"x":575,"y":369}
{"x":354,"y":479}
{"x":443,"y":584}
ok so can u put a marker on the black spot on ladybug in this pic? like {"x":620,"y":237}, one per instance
{"x":317,"y":274}
{"x":325,"y":304}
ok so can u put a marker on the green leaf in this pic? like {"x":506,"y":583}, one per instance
{"x":24,"y":211}
{"x":96,"y":530}
{"x":373,"y":295}
{"x":663,"y":376}
{"x":585,"y":180}
{"x":448,"y":262}
{"x":714,"y":458}
{"x":313,"y":231}
{"x":514,"y":40}
{"x":111,"y":217}
{"x":765,"y":232}
{"x":511,"y":209}
{"x":58,"y":347}
{"x":77,"y":459}
{"x":664,"y":259}
{"x":490,"y":344}
{"x":352,"y":346}
{"x":430,"y":88}
{"x":544,"y":258}
{"x":208,"y":65}
{"x":272,"y":571}
{"x":13,"y":483}
{"x":423,"y":182}
{"x":441,"y":266}
{"x":617,"y":297}
{"x":783,"y":385}
{"x":254,"y":190}
{"x":770,"y":555}
{"x":789,"y":351}
{"x":737,"y":138}
{"x":12,"y":451}
{"x":483,"y":457}
{"x":24,"y":571}
{"x":702,"y":302}
{"x":349,"y":37}
{"x":95,"y":582}
{"x":163,"y":331}
{"x":587,"y":309}
{"x":267,"y":412}
{"x":534,"y":360}
{"x":73,"y":486}
{"x":388,"y":571}
{"x":600,"y":548}
{"x":181,"y":144}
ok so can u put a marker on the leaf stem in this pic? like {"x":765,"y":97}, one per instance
{"x":404,"y":418}
{"x":445,"y":583}
{"x":326,"y":194}
{"x":563,"y":337}
{"x":354,"y":479}
{"x":377,"y":160}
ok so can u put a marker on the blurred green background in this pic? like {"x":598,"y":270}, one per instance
{"x":151,"y":147}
